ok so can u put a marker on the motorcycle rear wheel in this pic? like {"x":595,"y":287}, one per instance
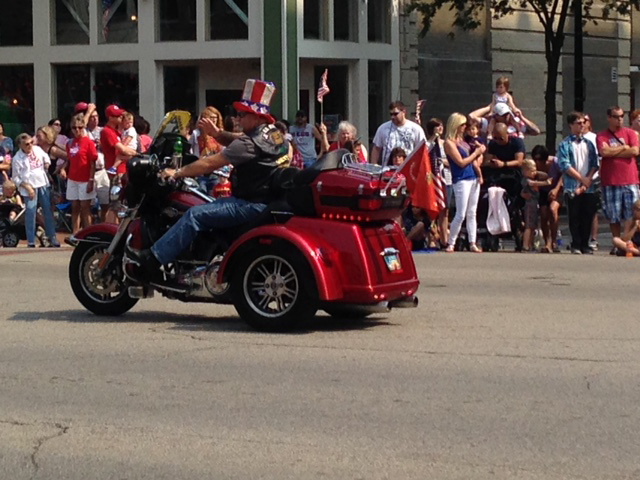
{"x":273,"y":289}
{"x":104,"y":295}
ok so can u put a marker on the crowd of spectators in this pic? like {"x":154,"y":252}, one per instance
{"x":470,"y":153}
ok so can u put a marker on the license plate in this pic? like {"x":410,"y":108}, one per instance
{"x":393,"y":262}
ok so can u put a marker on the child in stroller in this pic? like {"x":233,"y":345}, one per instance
{"x":10,"y":198}
{"x":12,"y":211}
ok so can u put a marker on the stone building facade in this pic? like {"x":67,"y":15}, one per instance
{"x":458,"y":73}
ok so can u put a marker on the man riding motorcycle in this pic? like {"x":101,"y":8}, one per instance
{"x":255,"y":156}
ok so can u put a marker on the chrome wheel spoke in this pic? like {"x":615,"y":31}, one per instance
{"x":291,"y":276}
{"x":262,"y":270}
{"x":264,"y":301}
{"x":277,"y":268}
{"x":289,"y":292}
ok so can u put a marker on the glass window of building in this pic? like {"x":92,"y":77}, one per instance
{"x":228,"y":19}
{"x":315,"y":19}
{"x":118,"y":21}
{"x":345,"y":20}
{"x":177,"y":20}
{"x":180,"y":89}
{"x":379,"y":21}
{"x":16,"y":99}
{"x":71,"y":22}
{"x":110,"y":83}
{"x":73,"y":85}
{"x":379,"y":94}
{"x":16,"y":24}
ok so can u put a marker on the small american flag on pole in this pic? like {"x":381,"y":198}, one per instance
{"x":419,"y":105}
{"x":324,"y":88}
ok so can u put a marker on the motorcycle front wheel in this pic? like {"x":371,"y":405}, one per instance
{"x":274,"y":289}
{"x":105,"y":293}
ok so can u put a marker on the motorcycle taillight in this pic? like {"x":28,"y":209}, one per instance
{"x":369,"y":204}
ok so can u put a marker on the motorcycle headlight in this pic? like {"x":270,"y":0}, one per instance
{"x":114,"y":194}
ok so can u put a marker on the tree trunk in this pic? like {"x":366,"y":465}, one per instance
{"x":553,"y":60}
{"x":550,"y":107}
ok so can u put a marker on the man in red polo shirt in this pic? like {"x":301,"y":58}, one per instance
{"x":618,"y":147}
{"x":110,"y":139}
{"x":112,"y":146}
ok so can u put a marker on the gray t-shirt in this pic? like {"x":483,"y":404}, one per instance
{"x":389,"y":136}
{"x":240,"y":151}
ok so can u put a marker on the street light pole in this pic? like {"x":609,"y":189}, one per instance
{"x":578,"y":74}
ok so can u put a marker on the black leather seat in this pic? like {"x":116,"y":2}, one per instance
{"x":329,"y":161}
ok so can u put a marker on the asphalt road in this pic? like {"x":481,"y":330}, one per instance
{"x":515,"y":366}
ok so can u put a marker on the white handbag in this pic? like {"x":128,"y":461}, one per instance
{"x":498,"y":217}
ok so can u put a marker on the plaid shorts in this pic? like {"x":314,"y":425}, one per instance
{"x":618,"y":201}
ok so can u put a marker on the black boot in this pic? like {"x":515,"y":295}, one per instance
{"x":149,"y":265}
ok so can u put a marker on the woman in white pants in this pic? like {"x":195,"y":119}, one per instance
{"x":466,"y":177}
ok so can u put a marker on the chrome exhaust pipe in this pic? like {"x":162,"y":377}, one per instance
{"x":406,"y":302}
{"x":382,"y":307}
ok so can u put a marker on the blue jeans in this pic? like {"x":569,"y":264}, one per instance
{"x":43,"y":199}
{"x":223,"y":213}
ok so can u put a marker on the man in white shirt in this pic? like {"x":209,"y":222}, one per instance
{"x":578,"y":160}
{"x":397,"y":132}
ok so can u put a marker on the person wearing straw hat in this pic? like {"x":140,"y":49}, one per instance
{"x":255,"y":156}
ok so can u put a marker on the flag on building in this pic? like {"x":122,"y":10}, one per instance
{"x":419,"y":105}
{"x":421,"y":182}
{"x":324,"y":88}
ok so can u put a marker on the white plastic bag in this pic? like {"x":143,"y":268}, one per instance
{"x":498,"y":217}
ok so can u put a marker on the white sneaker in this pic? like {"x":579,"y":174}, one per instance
{"x":593,"y":244}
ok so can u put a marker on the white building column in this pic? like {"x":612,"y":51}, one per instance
{"x":43,"y":82}
{"x":150,"y":96}
{"x":360,"y":99}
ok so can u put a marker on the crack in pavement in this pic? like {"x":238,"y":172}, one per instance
{"x":16,"y":423}
{"x":62,"y":429}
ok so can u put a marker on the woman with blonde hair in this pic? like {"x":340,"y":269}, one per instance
{"x":47,"y":138}
{"x":203,"y":144}
{"x":466,"y":177}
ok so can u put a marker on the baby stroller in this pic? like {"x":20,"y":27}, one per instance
{"x":13,"y":230}
{"x":511,"y":182}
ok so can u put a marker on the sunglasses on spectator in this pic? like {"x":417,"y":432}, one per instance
{"x":617,"y":117}
{"x":57,"y":124}
{"x":393,"y":114}
{"x":77,"y":128}
{"x":579,"y":122}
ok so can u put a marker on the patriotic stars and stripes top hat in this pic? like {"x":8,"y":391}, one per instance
{"x":256,"y":99}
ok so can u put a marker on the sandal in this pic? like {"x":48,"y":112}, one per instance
{"x":545,"y":250}
{"x":475,"y":249}
{"x":450,"y":249}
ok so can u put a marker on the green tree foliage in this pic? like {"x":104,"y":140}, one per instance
{"x":552,"y":14}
